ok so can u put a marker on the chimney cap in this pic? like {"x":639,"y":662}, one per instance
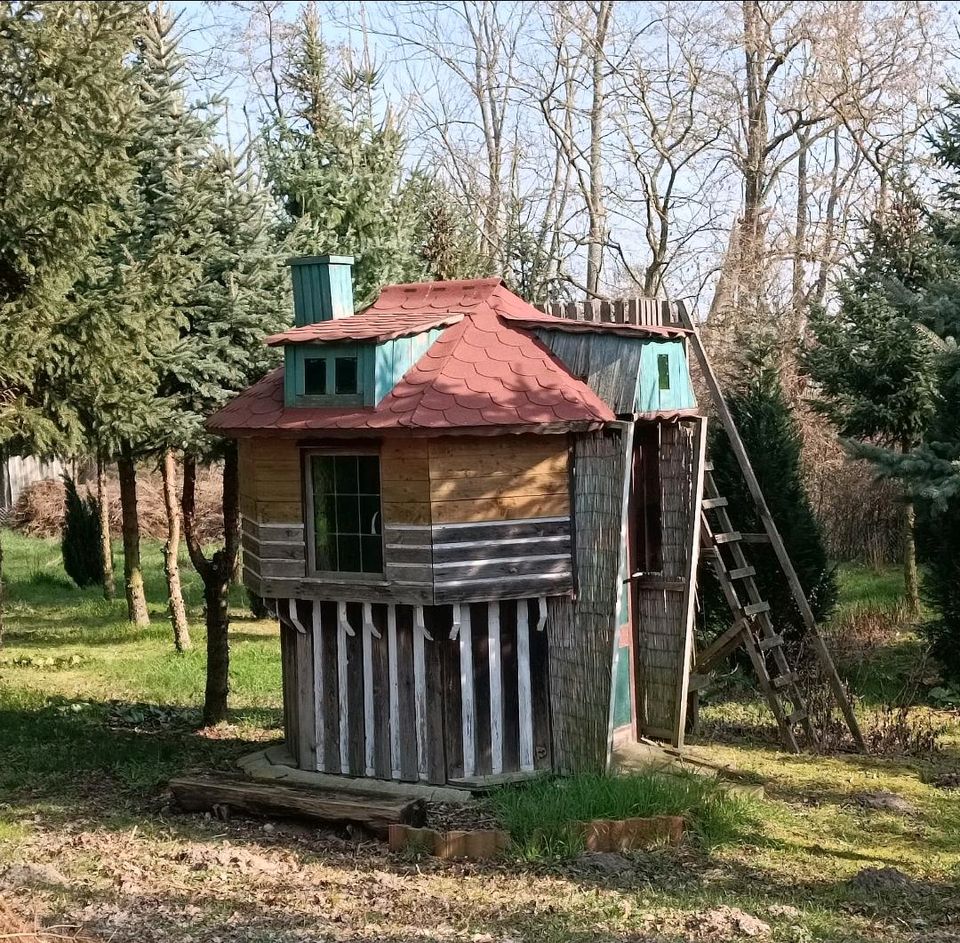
{"x":328,"y":259}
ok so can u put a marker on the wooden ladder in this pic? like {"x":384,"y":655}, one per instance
{"x":752,"y":626}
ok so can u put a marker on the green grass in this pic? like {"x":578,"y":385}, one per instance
{"x":541,"y":816}
{"x":95,"y":716}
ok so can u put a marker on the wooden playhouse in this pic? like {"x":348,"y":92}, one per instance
{"x":479,"y":524}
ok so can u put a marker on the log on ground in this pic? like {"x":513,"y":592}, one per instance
{"x":374,"y":813}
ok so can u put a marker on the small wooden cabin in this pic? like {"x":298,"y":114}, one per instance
{"x":479,"y":525}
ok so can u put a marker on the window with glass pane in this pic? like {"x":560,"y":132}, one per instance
{"x":345,"y":375}
{"x":315,"y":376}
{"x":346,"y":513}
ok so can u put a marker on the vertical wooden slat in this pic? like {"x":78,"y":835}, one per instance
{"x":288,"y":667}
{"x":307,"y":727}
{"x":369,"y":736}
{"x":481,"y":686}
{"x":343,"y":630}
{"x":496,"y":687}
{"x":355,"y":693}
{"x":319,"y":689}
{"x":524,"y":692}
{"x":394,"y":692}
{"x":420,"y":689}
{"x":540,"y":691}
{"x":407,"y":705}
{"x":510,"y":686}
{"x":438,"y":626}
{"x":382,"y":759}
{"x":452,"y":701}
{"x":468,"y":702}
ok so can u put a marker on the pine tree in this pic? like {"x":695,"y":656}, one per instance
{"x":337,"y":171}
{"x":80,"y":541}
{"x":875,"y":372}
{"x":64,"y":93}
{"x":238,"y":301}
{"x":774,"y":442}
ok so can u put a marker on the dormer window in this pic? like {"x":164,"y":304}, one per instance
{"x":345,"y":375}
{"x":315,"y":376}
{"x":328,"y":375}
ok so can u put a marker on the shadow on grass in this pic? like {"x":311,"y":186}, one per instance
{"x":109,"y":753}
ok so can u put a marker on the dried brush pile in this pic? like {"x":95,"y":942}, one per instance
{"x":14,"y":927}
{"x":39,"y":509}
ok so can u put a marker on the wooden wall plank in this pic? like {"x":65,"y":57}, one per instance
{"x":539,"y":690}
{"x":500,"y":508}
{"x":394,"y":697}
{"x":453,"y":718}
{"x":407,"y":705}
{"x":383,"y":746}
{"x":481,"y":687}
{"x":438,"y":625}
{"x":306,"y":715}
{"x":524,"y":689}
{"x":510,"y":687}
{"x":494,"y":673}
{"x":356,"y":743}
{"x":329,"y":716}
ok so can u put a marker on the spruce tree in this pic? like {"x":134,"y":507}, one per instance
{"x":80,"y":540}
{"x":875,"y":371}
{"x":64,"y":111}
{"x":774,"y":442}
{"x":336,"y":170}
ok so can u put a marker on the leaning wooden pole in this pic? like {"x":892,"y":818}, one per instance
{"x":776,"y":541}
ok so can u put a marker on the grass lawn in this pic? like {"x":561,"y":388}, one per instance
{"x":95,"y":716}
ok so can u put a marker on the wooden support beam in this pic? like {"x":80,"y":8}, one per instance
{"x":776,"y":541}
{"x":374,"y":813}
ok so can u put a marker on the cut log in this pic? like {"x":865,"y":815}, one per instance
{"x":374,"y":813}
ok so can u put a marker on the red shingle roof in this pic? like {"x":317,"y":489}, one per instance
{"x":369,"y":326}
{"x":484,"y":371}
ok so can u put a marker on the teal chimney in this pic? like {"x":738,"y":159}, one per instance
{"x":322,"y":288}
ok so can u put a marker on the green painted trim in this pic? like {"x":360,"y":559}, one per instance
{"x":395,"y":357}
{"x":622,"y":704}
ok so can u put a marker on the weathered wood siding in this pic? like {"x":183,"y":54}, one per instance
{"x":464,"y":519}
{"x":582,"y":629}
{"x":438,"y":694}
{"x":272,"y":525}
{"x":664,"y":630}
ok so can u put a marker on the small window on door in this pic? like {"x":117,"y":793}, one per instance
{"x":345,"y":513}
{"x":663,"y":371}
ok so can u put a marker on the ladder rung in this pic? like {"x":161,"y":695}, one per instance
{"x":756,"y":607}
{"x":796,"y":717}
{"x":728,"y":538}
{"x":741,"y":573}
{"x":775,"y":641}
{"x":708,"y":466}
{"x":718,"y":502}
{"x":785,"y":680}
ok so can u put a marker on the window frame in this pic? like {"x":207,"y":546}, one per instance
{"x":351,"y":576}
{"x":330,"y":354}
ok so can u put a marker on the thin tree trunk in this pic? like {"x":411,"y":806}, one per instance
{"x":3,"y":592}
{"x":103,"y":506}
{"x":132,"y":569}
{"x":171,"y":553}
{"x":216,"y":573}
{"x":595,"y":202}
{"x":910,"y":580}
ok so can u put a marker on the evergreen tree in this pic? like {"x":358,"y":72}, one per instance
{"x":64,"y":94}
{"x":876,"y":373}
{"x":337,"y":171}
{"x":774,"y":442}
{"x":239,"y":300}
{"x":80,"y":541}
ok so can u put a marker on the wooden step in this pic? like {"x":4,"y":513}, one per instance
{"x":708,"y":466}
{"x":785,"y":680}
{"x":727,"y":538}
{"x":755,"y":608}
{"x":796,"y":717}
{"x":718,"y":502}
{"x":765,"y":644}
{"x":373,"y":812}
{"x":741,"y":573}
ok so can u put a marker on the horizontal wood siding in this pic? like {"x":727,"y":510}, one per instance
{"x":489,"y":479}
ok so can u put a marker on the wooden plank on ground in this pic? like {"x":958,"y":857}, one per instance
{"x":375,"y":813}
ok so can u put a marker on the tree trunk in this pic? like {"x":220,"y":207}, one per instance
{"x":103,"y":506}
{"x":596,"y":209}
{"x":171,"y":553}
{"x":910,"y":581}
{"x":132,"y":569}
{"x":216,"y":573}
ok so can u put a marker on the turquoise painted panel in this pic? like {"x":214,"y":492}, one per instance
{"x":622,"y":706}
{"x":322,"y":288}
{"x":394,"y":358}
{"x":650,"y":398}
